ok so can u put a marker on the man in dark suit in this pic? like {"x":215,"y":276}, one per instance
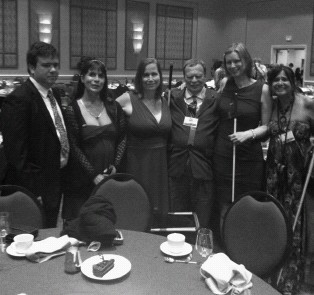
{"x":194,"y":122}
{"x":34,"y":135}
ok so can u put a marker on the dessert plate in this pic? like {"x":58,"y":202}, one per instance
{"x":11,"y":251}
{"x":187,"y":249}
{"x":122,"y":266}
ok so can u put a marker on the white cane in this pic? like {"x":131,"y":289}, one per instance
{"x":309,"y":172}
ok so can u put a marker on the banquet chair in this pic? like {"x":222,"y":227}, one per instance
{"x":23,"y":206}
{"x":257,"y":233}
{"x":309,"y":246}
{"x":129,"y":200}
{"x":3,"y":163}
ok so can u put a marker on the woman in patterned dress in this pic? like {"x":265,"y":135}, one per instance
{"x":290,"y":128}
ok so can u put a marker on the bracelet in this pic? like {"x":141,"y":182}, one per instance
{"x":253,"y":133}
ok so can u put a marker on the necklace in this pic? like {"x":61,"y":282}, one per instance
{"x":282,"y":110}
{"x":283,"y":123}
{"x":283,"y":126}
{"x":93,"y":115}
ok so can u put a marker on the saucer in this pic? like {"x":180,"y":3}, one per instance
{"x":11,"y":251}
{"x":187,"y":249}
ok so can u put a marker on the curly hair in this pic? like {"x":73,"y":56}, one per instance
{"x":275,"y":70}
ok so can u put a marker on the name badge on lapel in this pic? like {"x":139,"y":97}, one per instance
{"x":290,"y":137}
{"x":190,"y":122}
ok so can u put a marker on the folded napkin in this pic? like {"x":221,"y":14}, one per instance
{"x":222,"y":275}
{"x":45,"y":249}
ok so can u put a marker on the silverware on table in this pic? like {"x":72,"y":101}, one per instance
{"x":172,"y":260}
{"x":49,"y":256}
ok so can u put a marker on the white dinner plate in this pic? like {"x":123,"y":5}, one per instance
{"x":11,"y":251}
{"x":187,"y":249}
{"x":121,"y":267}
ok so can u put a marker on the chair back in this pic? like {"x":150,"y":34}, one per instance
{"x":257,"y":233}
{"x":22,"y":205}
{"x":129,"y":200}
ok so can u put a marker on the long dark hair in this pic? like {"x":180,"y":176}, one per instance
{"x":90,"y":63}
{"x":275,"y":70}
{"x":244,"y":55}
{"x":138,"y":83}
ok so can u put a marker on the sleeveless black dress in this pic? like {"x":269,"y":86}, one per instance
{"x":147,"y":151}
{"x":249,"y":155}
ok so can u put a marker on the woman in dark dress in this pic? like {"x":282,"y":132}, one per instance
{"x":149,"y":125}
{"x":290,"y":128}
{"x":249,"y":100}
{"x":97,"y":135}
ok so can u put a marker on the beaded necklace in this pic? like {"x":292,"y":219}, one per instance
{"x":283,"y":124}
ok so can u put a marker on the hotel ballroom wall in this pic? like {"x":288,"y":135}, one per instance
{"x":216,"y":23}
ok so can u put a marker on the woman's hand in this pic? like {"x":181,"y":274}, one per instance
{"x":240,"y":137}
{"x":99,"y":178}
{"x":110,"y":170}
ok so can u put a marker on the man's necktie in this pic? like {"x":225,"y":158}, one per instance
{"x":59,"y":125}
{"x":192,"y":106}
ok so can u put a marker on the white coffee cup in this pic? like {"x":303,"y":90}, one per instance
{"x":23,"y":242}
{"x":176,"y":242}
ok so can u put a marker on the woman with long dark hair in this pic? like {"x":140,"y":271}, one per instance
{"x":96,"y":129}
{"x":149,"y":125}
{"x":290,"y":128}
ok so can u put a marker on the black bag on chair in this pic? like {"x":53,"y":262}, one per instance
{"x":95,"y":222}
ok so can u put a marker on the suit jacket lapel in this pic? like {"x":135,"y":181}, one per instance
{"x":208,"y":102}
{"x":42,"y":106}
{"x":179,"y":100}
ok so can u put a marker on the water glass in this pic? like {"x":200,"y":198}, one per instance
{"x":204,"y":242}
{"x":4,"y":227}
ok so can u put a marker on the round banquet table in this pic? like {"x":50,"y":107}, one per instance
{"x":149,"y":273}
